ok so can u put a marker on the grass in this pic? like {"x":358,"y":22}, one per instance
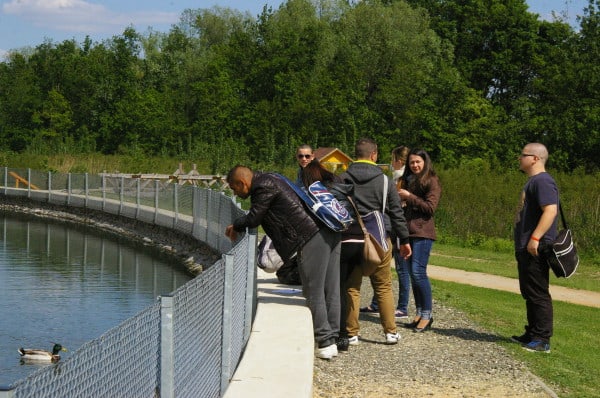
{"x":572,"y":367}
{"x":502,"y":262}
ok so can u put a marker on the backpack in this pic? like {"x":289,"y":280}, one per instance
{"x":323,"y":204}
{"x":267,"y":257}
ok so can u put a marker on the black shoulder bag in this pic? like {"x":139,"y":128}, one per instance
{"x":562,"y":255}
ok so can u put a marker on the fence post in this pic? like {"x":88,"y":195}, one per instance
{"x":175,"y":205}
{"x":226,"y":370}
{"x":103,"y":192}
{"x":250,"y":284}
{"x":49,"y":187}
{"x":138,"y":199}
{"x":5,"y":180}
{"x":29,"y":183}
{"x":86,"y":184}
{"x":155,"y":201}
{"x":167,"y":376}
{"x":121,"y":195}
{"x":68,"y":188}
{"x":7,"y":392}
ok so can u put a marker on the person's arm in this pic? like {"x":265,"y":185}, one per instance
{"x":549,"y":213}
{"x":429,"y":203}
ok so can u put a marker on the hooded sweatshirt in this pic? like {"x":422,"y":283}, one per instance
{"x":368,"y":181}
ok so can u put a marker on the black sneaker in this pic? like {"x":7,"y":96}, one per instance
{"x":522,"y":339}
{"x":343,"y":343}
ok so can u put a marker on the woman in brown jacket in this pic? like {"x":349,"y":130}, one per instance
{"x":421,"y":195}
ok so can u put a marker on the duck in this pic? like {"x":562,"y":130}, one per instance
{"x":36,"y":355}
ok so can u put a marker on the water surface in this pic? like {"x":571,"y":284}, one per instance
{"x":59,"y":283}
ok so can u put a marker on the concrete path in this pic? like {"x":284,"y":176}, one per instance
{"x":560,"y":293}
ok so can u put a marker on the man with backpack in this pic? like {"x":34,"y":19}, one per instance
{"x":368,"y":195}
{"x":294,"y":230}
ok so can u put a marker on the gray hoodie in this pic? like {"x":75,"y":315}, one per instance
{"x":368,"y":180}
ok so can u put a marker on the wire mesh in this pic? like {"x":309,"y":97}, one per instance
{"x":126,"y":361}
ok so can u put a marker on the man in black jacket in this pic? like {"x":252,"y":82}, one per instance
{"x":294,"y":230}
{"x":368,"y":180}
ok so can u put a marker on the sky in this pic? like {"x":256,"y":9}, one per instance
{"x":26,"y":23}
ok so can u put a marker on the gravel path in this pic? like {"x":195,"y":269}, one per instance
{"x":456,"y":358}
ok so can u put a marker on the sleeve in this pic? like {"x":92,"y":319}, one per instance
{"x":396,"y":214}
{"x":261,"y":199}
{"x":430,"y":200}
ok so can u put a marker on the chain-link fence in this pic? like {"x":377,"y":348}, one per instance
{"x":189,"y":343}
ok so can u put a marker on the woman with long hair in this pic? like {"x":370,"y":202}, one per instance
{"x":421,"y":193}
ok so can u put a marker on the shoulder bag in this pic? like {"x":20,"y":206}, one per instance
{"x":562,"y":255}
{"x":378,"y":246}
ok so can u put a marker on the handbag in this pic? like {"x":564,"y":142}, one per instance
{"x":377,"y":249}
{"x":562,"y":255}
{"x":267,"y":257}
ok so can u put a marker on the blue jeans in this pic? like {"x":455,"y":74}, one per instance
{"x":403,"y":284}
{"x":417,"y":268}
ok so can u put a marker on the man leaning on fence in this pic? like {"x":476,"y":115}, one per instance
{"x":275,"y":206}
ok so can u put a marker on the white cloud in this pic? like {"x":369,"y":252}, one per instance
{"x":3,"y":55}
{"x":81,"y":16}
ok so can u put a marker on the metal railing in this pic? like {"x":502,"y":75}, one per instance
{"x":186,"y":344}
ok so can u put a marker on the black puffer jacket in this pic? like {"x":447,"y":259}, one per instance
{"x":276,"y":207}
{"x":368,"y":196}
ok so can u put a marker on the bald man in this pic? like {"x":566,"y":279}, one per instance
{"x":536,"y":227}
{"x":295,"y":231}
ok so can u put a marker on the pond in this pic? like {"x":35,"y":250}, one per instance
{"x":67,"y":284}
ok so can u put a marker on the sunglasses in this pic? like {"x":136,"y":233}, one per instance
{"x":301,"y":156}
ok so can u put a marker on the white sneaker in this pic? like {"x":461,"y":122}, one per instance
{"x":392,"y":338}
{"x":353,"y":340}
{"x":327,"y":352}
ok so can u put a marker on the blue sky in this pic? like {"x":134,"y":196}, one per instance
{"x":29,"y":22}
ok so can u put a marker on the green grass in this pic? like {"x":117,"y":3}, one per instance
{"x":502,"y":262}
{"x":574,"y":364}
{"x":571,"y":369}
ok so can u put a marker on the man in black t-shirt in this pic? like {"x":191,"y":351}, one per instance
{"x":535,"y":226}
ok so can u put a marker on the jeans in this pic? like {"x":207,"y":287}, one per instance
{"x":534,"y":282}
{"x":403,"y":282}
{"x":417,"y":269}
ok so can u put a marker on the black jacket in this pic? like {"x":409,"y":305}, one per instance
{"x":368,"y":196}
{"x":276,"y":207}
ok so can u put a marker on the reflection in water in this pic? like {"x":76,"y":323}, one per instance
{"x":66,"y":285}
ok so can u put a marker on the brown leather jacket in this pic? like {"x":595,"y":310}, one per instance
{"x":420,"y":208}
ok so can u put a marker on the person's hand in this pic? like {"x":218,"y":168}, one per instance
{"x":404,"y":194}
{"x":230,"y":232}
{"x":532,"y":247}
{"x":405,"y":250}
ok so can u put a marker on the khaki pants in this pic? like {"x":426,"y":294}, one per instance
{"x":381,"y":280}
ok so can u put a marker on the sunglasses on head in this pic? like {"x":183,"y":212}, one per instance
{"x":301,"y":156}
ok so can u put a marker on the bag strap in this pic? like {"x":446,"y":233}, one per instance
{"x":358,"y":217}
{"x":562,"y":216}
{"x":385,"y":192}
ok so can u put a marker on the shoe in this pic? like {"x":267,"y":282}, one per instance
{"x":401,"y":315}
{"x":327,"y":352}
{"x":392,"y":338}
{"x":353,"y":340}
{"x":343,"y":343}
{"x":369,"y":310}
{"x":424,"y":328}
{"x":537,"y":346}
{"x":522,"y":339}
{"x":412,"y":324}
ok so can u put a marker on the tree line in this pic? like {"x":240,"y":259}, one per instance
{"x":467,"y":80}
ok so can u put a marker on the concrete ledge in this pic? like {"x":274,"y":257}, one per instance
{"x":278,"y":359}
